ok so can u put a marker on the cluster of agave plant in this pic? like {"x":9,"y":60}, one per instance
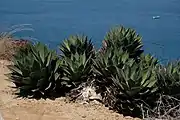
{"x":129,"y":79}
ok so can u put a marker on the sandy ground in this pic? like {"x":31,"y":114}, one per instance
{"x":25,"y":109}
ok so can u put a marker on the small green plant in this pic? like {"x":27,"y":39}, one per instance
{"x":35,"y":71}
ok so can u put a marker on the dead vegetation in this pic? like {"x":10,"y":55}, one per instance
{"x":167,"y":108}
{"x":9,"y":44}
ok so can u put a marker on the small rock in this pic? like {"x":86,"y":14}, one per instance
{"x":83,"y":116}
{"x":128,"y":117}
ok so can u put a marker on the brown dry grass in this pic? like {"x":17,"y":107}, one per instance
{"x":6,"y":48}
{"x":9,"y":45}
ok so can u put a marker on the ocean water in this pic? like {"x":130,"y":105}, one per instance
{"x":55,"y":20}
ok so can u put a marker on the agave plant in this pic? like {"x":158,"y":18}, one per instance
{"x":134,"y":88}
{"x":169,"y":78}
{"x":148,"y":60}
{"x":78,"y":53}
{"x":35,"y":71}
{"x":77,"y":70}
{"x":126,"y":39}
{"x":126,"y":84}
{"x":77,"y":44}
{"x":105,"y":64}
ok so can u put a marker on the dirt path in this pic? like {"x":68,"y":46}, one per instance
{"x":24,"y":109}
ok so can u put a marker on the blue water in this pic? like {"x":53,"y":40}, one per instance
{"x":55,"y":20}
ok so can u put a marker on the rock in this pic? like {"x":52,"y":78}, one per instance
{"x":128,"y":117}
